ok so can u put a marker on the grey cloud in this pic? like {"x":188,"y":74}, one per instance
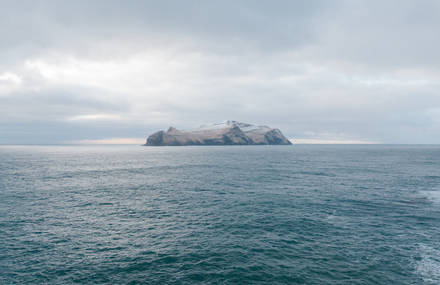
{"x":38,"y":26}
{"x":54,"y":105}
{"x":386,"y":33}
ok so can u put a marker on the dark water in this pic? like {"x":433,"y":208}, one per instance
{"x":220,"y":215}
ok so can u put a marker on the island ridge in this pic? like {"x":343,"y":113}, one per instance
{"x":226,"y":133}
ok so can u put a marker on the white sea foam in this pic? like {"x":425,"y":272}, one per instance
{"x":429,"y":265}
{"x":336,"y":220}
{"x":432,"y":195}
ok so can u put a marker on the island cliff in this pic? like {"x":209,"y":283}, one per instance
{"x":227,"y":133}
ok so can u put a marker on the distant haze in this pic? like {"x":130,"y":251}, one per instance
{"x":321,"y":71}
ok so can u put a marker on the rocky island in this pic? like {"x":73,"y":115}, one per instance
{"x":226,"y":133}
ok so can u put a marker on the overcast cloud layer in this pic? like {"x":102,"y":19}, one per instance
{"x":352,"y":71}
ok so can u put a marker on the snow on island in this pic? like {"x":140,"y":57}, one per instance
{"x":226,"y":133}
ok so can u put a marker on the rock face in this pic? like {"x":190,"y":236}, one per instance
{"x":226,"y":133}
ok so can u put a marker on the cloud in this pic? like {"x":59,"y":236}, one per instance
{"x":365,"y":69}
{"x":9,"y":77}
{"x":95,"y":117}
{"x":133,"y":141}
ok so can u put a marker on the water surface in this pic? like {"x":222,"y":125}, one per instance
{"x":220,"y":215}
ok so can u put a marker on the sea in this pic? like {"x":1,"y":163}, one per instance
{"x":300,"y":214}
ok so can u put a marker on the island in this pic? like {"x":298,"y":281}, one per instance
{"x":225,"y":133}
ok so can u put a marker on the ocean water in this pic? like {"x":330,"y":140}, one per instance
{"x":220,"y":215}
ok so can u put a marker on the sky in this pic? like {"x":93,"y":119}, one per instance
{"x":321,"y":71}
